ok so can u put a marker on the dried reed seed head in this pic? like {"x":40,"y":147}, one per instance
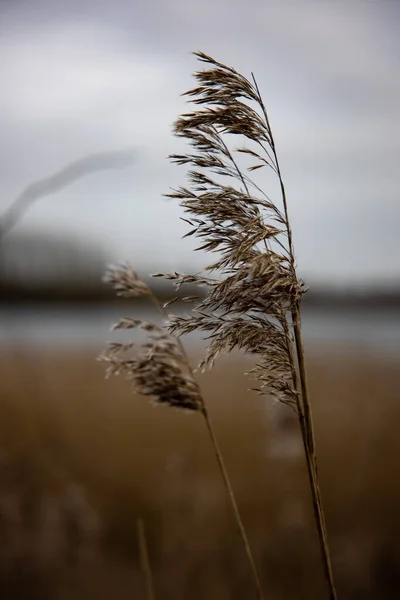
{"x":246,"y":306}
{"x":129,"y":323}
{"x":156,"y":368}
{"x":180,"y":279}
{"x":126,"y":281}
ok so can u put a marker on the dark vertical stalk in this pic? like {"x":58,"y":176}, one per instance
{"x":234,"y":506}
{"x":303,"y":407}
{"x":223,"y":470}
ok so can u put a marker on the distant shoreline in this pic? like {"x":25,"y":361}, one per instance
{"x":73,"y":294}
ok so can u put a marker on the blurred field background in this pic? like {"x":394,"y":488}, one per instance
{"x":81,"y":458}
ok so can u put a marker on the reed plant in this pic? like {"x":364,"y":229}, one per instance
{"x":251,"y":292}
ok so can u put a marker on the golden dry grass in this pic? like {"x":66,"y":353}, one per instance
{"x":82,"y":460}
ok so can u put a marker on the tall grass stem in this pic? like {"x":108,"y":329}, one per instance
{"x":234,"y":506}
{"x":223,"y":470}
{"x":304,"y":411}
{"x":145,"y":561}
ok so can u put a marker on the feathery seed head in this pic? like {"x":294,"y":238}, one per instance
{"x":125,"y":281}
{"x":157,"y":367}
{"x":247,"y":304}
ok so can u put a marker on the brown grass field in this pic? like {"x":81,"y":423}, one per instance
{"x":82,"y":459}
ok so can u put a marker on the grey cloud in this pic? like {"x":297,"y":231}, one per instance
{"x":328,"y":74}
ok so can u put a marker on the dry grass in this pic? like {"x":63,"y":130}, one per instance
{"x":82,"y":461}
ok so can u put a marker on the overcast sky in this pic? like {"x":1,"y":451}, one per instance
{"x":85,"y":76}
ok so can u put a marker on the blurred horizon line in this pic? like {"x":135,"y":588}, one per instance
{"x":94,"y":290}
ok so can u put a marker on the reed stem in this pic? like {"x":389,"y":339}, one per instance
{"x":222,"y":467}
{"x":145,"y":561}
{"x":234,"y":506}
{"x":307,"y":431}
{"x":304,"y":410}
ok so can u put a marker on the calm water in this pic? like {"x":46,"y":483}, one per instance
{"x":374,"y":330}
